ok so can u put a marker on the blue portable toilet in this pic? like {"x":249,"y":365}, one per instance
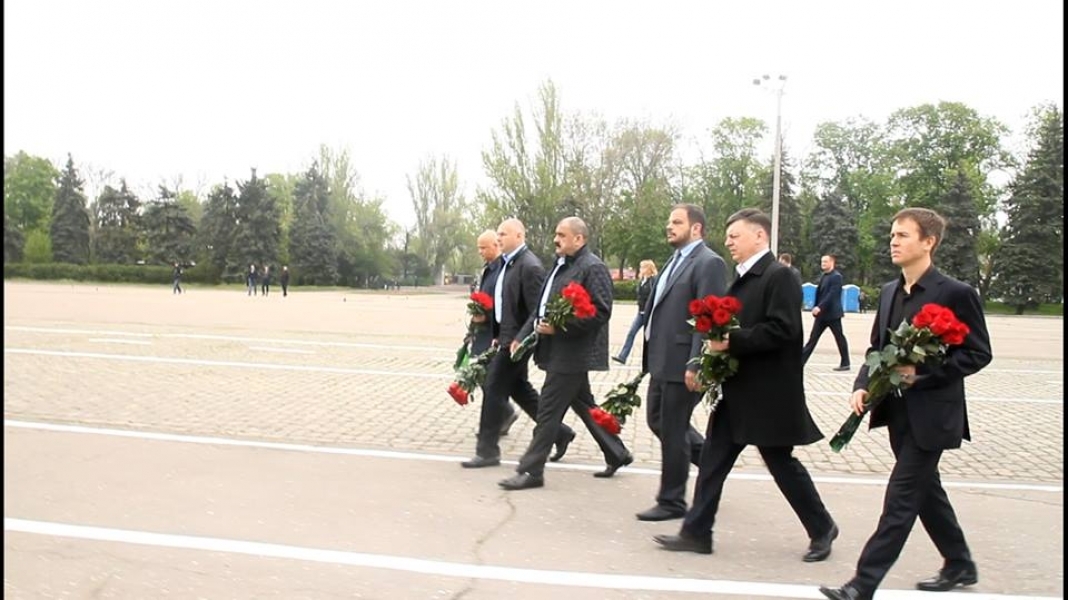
{"x":850,"y":298}
{"x":808,"y":295}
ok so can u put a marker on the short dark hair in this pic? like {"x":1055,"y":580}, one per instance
{"x":786,"y":256}
{"x":931,"y":224}
{"x":694,"y":214}
{"x":754,"y":216}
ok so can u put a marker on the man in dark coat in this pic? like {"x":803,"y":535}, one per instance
{"x":284,"y":280}
{"x":926,"y":418}
{"x":516,"y":285}
{"x":693,"y":272}
{"x":828,"y":312}
{"x":568,"y":355}
{"x":764,"y":402}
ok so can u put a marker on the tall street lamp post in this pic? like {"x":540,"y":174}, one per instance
{"x":777,"y":166}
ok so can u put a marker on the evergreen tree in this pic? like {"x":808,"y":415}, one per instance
{"x":117,"y":226}
{"x":69,"y":230}
{"x":956,"y":254}
{"x":312,"y":243}
{"x":13,"y":241}
{"x":258,"y":234}
{"x":833,"y":232}
{"x":216,"y":231}
{"x":170,"y":233}
{"x":1030,"y":264}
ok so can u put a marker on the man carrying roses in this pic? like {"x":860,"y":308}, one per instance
{"x":764,"y":402}
{"x":567,"y":354}
{"x":928,"y":417}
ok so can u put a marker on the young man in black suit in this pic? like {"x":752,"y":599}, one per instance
{"x":764,"y":402}
{"x":568,"y":356}
{"x":693,"y":272}
{"x":926,"y":418}
{"x":515,"y":289}
{"x":828,"y":312}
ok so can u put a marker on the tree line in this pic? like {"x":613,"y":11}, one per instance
{"x":1004,"y":210}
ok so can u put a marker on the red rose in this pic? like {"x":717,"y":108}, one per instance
{"x":703,"y":324}
{"x":605,"y":420}
{"x":483,"y":299}
{"x":721,"y":317}
{"x":458,"y":393}
{"x":697,"y":307}
{"x":712,"y":303}
{"x":585,"y":310}
{"x":730,"y":304}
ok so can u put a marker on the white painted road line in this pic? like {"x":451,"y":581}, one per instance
{"x":283,"y":350}
{"x":451,"y":569}
{"x":219,"y":441}
{"x":118,"y":341}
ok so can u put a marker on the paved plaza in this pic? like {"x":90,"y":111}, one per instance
{"x":215,"y":445}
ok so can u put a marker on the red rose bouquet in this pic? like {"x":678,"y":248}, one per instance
{"x":572,"y":302}
{"x":605,"y":420}
{"x":470,"y":376}
{"x":932,"y":331}
{"x":480,"y":304}
{"x":621,"y":401}
{"x":713,"y":317}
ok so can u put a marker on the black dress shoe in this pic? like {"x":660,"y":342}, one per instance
{"x":660,"y":513}
{"x":842,"y":368}
{"x":610,"y":470}
{"x":820,"y":548}
{"x":561,"y":447}
{"x":621,"y":361}
{"x":508,"y":422}
{"x":522,"y":481}
{"x":478,"y":462}
{"x":846,"y":592}
{"x":949,"y":578}
{"x":684,"y":543}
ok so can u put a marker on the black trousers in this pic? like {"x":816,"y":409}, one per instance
{"x":506,"y":379}
{"x":835,"y":325}
{"x":718,"y":457}
{"x":914,"y":490}
{"x":560,"y":392}
{"x":668,"y":409}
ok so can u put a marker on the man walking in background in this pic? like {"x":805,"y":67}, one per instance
{"x":828,"y":313}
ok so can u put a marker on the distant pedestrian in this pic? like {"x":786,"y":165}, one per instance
{"x":265,"y":280}
{"x":251,"y":280}
{"x":284,"y":280}
{"x":787,"y":259}
{"x":646,"y":274}
{"x":828,"y":313}
{"x":177,"y":289}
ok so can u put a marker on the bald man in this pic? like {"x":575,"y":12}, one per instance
{"x":515,"y":297}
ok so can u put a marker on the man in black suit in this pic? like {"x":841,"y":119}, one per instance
{"x":567,"y":355}
{"x":828,"y":312}
{"x":926,"y":418}
{"x":764,"y":402}
{"x":483,"y":329}
{"x":694,"y":271}
{"x":517,"y":280}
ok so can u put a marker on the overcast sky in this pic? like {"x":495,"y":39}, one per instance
{"x":205,"y":89}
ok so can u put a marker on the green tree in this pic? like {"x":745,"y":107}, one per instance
{"x":29,"y":191}
{"x":13,"y":241}
{"x":117,"y":216}
{"x":258,"y":234}
{"x":38,"y":248}
{"x":1030,"y":265}
{"x":442,"y":232}
{"x":313,"y":243}
{"x":169,"y":232}
{"x":732,"y":179}
{"x":957,"y":253}
{"x":69,"y":230}
{"x":216,"y":232}
{"x":833,"y":232}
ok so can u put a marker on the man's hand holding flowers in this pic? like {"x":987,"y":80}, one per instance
{"x":572,"y":302}
{"x":923,"y":341}
{"x":714,"y":317}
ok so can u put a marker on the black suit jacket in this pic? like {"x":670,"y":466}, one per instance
{"x":765,"y":399}
{"x":584,"y":345}
{"x":523,"y":278}
{"x":486,"y":332}
{"x":938,"y":414}
{"x":829,"y":296}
